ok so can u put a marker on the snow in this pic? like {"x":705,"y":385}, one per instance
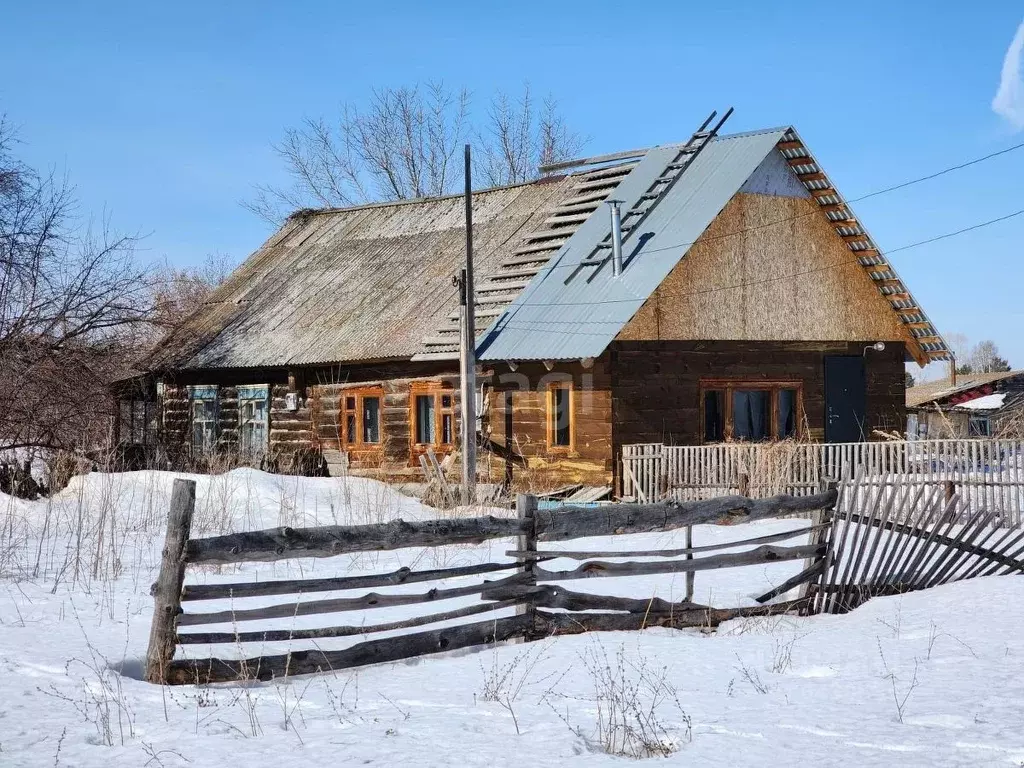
{"x":984,"y":403}
{"x":929,"y":678}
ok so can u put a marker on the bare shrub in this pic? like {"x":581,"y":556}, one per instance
{"x":632,"y":699}
{"x":503,"y":683}
{"x":901,"y":688}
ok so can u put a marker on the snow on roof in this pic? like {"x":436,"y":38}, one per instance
{"x":986,"y":403}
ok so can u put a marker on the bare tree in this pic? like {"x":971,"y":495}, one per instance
{"x":67,"y":295}
{"x":177,"y":292}
{"x":517,"y":139}
{"x":405,"y":144}
{"x":982,"y":357}
{"x":985,"y":358}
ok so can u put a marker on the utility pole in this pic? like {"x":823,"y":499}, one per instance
{"x":467,"y":352}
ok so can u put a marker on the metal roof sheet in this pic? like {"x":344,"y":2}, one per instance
{"x":363,"y":283}
{"x":556,"y":319}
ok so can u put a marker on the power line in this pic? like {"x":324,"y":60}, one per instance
{"x":834,"y":265}
{"x":869,"y":195}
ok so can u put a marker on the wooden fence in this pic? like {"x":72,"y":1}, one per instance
{"x":875,"y":547}
{"x":987,"y":473}
{"x":525,"y":600}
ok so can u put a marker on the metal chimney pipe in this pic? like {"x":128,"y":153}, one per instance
{"x":616,"y":237}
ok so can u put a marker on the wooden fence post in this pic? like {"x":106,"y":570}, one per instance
{"x":167,"y":589}
{"x":824,"y":535}
{"x":526,"y":508}
{"x":689,"y":556}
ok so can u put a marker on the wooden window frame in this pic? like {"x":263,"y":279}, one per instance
{"x":438,"y":390}
{"x":130,"y":431}
{"x":253,"y":393}
{"x":728,"y":386}
{"x":552,"y":418}
{"x":208,"y":393}
{"x":359,"y":445}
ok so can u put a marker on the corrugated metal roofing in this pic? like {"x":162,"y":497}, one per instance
{"x":556,"y":319}
{"x":364,"y":283}
{"x":374,"y":282}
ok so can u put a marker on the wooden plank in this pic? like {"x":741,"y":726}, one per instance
{"x":304,"y":586}
{"x":526,"y":511}
{"x":575,"y":522}
{"x":327,"y":541}
{"x":551,"y":554}
{"x":338,"y":605}
{"x":321,"y":633}
{"x":763,"y":554}
{"x":167,"y":589}
{"x":998,"y":559}
{"x":549,"y":596}
{"x":804,"y":577}
{"x":576,"y":623}
{"x":206,"y":671}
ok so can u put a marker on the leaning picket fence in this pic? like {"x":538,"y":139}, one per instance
{"x":526,"y":600}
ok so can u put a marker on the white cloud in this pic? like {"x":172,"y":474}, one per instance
{"x":1009,"y":99}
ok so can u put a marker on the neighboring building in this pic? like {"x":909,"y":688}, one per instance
{"x":748,"y":306}
{"x":977,"y":405}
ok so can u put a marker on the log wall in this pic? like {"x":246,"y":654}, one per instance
{"x":587,"y":460}
{"x":396,"y":457}
{"x":656,"y":384}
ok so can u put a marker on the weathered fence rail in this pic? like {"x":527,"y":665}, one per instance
{"x":989,"y":473}
{"x":865,"y":537}
{"x":541,"y":607}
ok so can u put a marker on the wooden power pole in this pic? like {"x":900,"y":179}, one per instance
{"x":467,"y":353}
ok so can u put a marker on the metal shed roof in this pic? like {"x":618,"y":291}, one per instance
{"x":559,"y":319}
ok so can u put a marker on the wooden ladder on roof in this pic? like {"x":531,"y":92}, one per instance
{"x":656,"y":192}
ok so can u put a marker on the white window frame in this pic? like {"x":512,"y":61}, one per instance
{"x":254,"y":426}
{"x":203,"y":394}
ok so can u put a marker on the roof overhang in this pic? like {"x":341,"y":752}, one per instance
{"x":924,"y":343}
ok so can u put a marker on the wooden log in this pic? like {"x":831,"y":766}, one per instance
{"x":549,"y":596}
{"x":283,"y":635}
{"x":689,"y":556}
{"x":552,"y":554}
{"x":804,"y":577}
{"x":574,"y":522}
{"x":205,"y":671}
{"x":167,"y":589}
{"x":575,"y":623}
{"x":327,"y":541}
{"x":303,"y":586}
{"x":338,"y":605}
{"x":763,"y":554}
{"x":526,"y":509}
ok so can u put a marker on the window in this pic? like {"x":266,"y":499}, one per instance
{"x":560,"y":418}
{"x":979,"y":426}
{"x":360,"y":418}
{"x":252,"y":419}
{"x":139,"y":421}
{"x":203,"y":412}
{"x":433,"y":415}
{"x":752,"y":411}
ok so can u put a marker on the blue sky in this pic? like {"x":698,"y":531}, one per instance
{"x":163,"y":114}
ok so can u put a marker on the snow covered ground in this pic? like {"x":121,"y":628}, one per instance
{"x":931,"y":678}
